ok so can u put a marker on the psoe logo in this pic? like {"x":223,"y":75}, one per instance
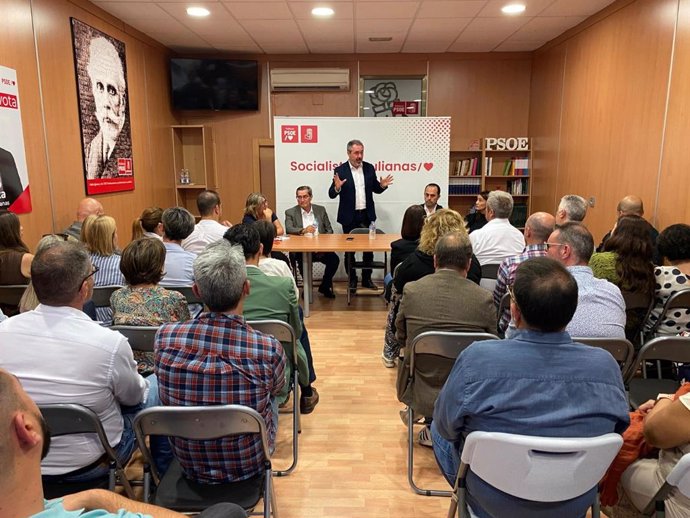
{"x":288,"y":134}
{"x":309,"y":134}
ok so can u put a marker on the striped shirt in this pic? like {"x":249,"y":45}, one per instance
{"x":217,"y":359}
{"x":108,"y":274}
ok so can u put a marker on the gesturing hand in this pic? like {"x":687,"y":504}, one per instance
{"x":385,"y":182}
{"x":338,"y":182}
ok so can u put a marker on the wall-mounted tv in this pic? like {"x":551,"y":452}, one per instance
{"x":214,"y":84}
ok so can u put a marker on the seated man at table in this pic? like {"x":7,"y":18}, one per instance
{"x":537,"y":383}
{"x":307,"y":218}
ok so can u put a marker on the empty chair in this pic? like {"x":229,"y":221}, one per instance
{"x":101,"y":295}
{"x":141,"y":338}
{"x":621,"y":349}
{"x":671,"y":348}
{"x":537,"y":469}
{"x":173,"y":490}
{"x":366,"y":265}
{"x":432,"y":347}
{"x":283,"y":332}
{"x":489,"y":276}
{"x":70,"y":418}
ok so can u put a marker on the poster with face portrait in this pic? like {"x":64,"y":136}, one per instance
{"x":101,"y":71}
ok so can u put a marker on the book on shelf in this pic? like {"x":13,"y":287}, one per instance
{"x":521,"y":166}
{"x":507,"y":165}
{"x":464,"y":186}
{"x":518,"y":187}
{"x":519,"y":216}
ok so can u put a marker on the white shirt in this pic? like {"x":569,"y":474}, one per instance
{"x":61,"y":356}
{"x":178,"y":266}
{"x":308,"y":218}
{"x":495,"y":241}
{"x":360,"y":189}
{"x":429,"y":211}
{"x":276,"y":268}
{"x":153,"y":235}
{"x":205,"y":232}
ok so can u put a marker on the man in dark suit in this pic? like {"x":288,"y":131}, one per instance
{"x":10,"y":184}
{"x":432,"y":192}
{"x":355,"y":182}
{"x":306,"y":218}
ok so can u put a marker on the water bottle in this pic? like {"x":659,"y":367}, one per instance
{"x":316,"y":227}
{"x":372,"y":230}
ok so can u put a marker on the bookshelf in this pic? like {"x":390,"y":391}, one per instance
{"x":498,"y":164}
{"x":193,"y":152}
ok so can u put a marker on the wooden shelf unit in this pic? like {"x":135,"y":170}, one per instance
{"x":192,"y":150}
{"x":463,"y":189}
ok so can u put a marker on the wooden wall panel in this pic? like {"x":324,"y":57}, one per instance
{"x":674,"y":191}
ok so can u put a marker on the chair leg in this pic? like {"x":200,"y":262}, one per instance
{"x":410,"y":461}
{"x":596,"y":510}
{"x":296,"y":428}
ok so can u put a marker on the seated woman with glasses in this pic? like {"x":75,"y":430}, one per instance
{"x":143,"y":302}
{"x":15,"y":259}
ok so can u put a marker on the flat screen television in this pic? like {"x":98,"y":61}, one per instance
{"x":214,"y":84}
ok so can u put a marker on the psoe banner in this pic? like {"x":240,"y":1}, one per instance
{"x":413,"y":150}
{"x":14,"y":177}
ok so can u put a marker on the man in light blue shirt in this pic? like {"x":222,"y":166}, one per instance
{"x":27,"y":441}
{"x":537,"y":383}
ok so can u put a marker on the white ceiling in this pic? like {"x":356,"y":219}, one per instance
{"x":417,"y":26}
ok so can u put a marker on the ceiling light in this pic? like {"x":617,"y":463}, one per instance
{"x":199,"y":12}
{"x":385,"y":38}
{"x":513,"y":8}
{"x":322,"y":11}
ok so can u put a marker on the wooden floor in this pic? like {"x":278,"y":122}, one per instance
{"x":352,"y":449}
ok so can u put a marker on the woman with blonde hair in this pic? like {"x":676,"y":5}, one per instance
{"x":256,"y":208}
{"x":419,"y":264}
{"x":99,"y":234}
{"x":148,"y":224}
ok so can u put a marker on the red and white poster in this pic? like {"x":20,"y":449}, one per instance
{"x":14,"y":177}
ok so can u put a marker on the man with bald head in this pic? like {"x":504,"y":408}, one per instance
{"x":538,"y":228}
{"x":632,"y":205}
{"x":87,"y":207}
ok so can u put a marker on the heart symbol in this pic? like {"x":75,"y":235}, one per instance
{"x":428,"y":166}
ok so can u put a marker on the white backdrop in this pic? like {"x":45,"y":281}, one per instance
{"x":414,"y":150}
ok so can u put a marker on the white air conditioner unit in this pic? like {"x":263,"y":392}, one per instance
{"x":309,"y":79}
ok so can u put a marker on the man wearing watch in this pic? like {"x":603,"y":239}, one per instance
{"x":307,"y":218}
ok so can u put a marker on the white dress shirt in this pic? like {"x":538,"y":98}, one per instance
{"x":61,"y":356}
{"x":360,"y":189}
{"x":495,"y":241}
{"x":178,"y":266}
{"x":277,"y":268}
{"x":205,"y":232}
{"x":308,"y":218}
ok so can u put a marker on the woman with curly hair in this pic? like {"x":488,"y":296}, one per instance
{"x":419,"y":264}
{"x":674,"y":245}
{"x":627,"y":262}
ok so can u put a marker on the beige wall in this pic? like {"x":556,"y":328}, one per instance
{"x":598,"y":113}
{"x":36,"y":41}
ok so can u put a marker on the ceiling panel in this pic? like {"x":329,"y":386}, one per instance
{"x":451,"y":9}
{"x":385,"y":10}
{"x":259,"y":10}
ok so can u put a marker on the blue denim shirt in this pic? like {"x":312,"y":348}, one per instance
{"x":533,"y":384}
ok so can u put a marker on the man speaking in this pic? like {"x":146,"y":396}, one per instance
{"x":355,"y":181}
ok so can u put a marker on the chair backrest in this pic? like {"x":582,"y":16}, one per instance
{"x":281,"y":331}
{"x":365,"y":231}
{"x":621,"y":349}
{"x":199,"y":423}
{"x":636,"y":300}
{"x":673,"y":348}
{"x":141,"y":338}
{"x":490,"y":271}
{"x":680,"y":475}
{"x":101,"y":295}
{"x":540,"y":469}
{"x":446,"y":344}
{"x":680,"y":299}
{"x":11,"y":294}
{"x":187,"y":292}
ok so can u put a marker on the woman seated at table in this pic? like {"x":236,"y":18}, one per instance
{"x":256,"y":209}
{"x":143,"y":302}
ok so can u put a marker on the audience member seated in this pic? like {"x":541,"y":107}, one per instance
{"x":667,"y":427}
{"x":178,"y":224}
{"x":62,"y":356}
{"x":274,"y":298}
{"x":537,"y":383}
{"x":627,"y":262}
{"x":431,"y":304}
{"x":308,"y":218}
{"x":217,"y":359}
{"x":571,"y":208}
{"x":99,"y":234}
{"x":538,"y":228}
{"x":498,"y":239}
{"x":87,"y":207}
{"x":149,"y":224}
{"x":256,"y":208}
{"x":26,"y":442}
{"x":476,"y":218}
{"x":15,"y":259}
{"x":632,"y":205}
{"x":674,"y":246}
{"x":412,"y":223}
{"x":210,"y":228}
{"x":600,"y":305}
{"x":143,"y":302}
{"x":432,"y":192}
{"x":416,"y":266}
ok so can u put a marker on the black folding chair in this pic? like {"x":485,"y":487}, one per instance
{"x":140,"y":338}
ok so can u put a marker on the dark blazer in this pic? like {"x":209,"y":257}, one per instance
{"x":9,"y":175}
{"x":294,"y":224}
{"x":346,"y":207}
